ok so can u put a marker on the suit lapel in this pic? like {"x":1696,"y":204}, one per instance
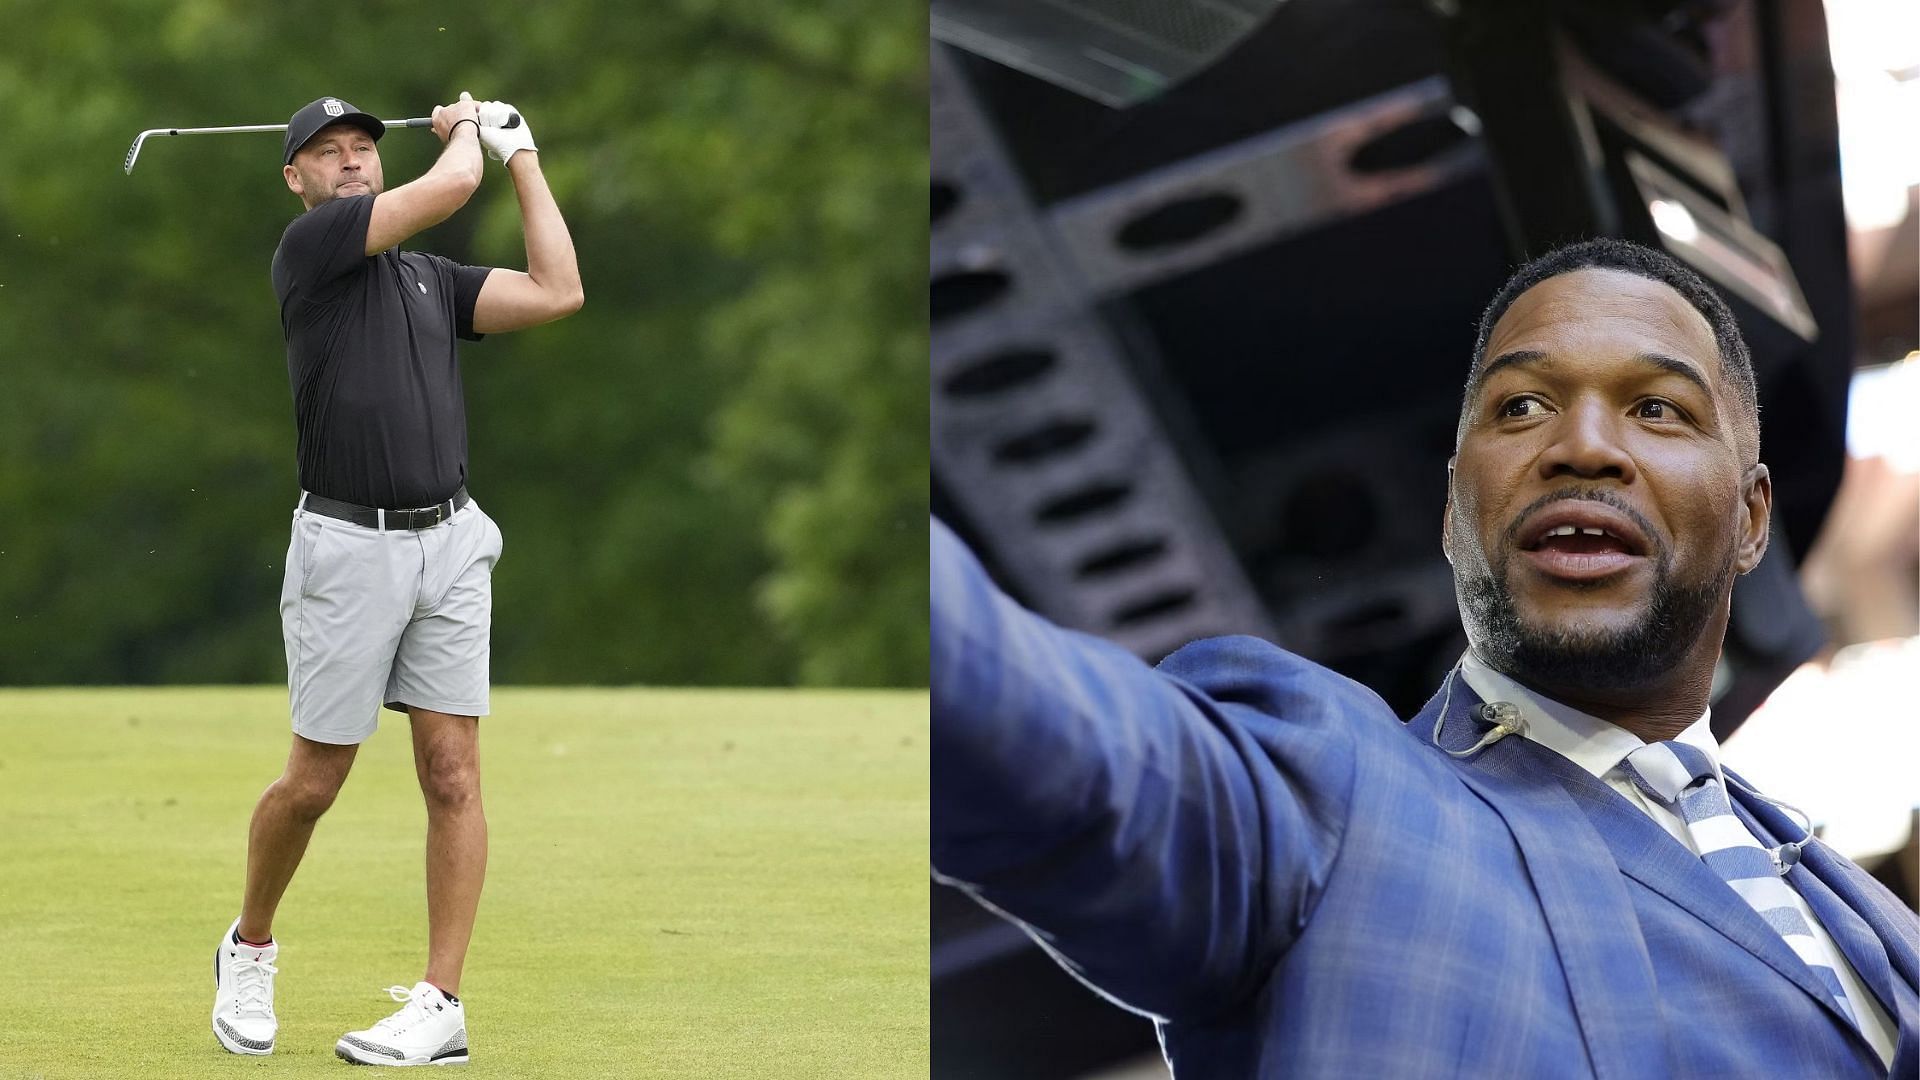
{"x":1591,"y":918}
{"x":1874,"y":932}
{"x":1532,"y":787}
{"x":1649,"y":855}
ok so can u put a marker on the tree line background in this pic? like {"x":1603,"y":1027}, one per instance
{"x":715,"y":473}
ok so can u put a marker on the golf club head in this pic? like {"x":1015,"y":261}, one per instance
{"x":134,"y":150}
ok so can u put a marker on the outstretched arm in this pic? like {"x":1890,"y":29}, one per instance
{"x":550,"y":287}
{"x":1160,"y":838}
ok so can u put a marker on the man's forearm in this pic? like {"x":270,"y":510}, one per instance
{"x":1087,"y":795}
{"x":550,"y":258}
{"x":433,"y":196}
{"x":462,"y":157}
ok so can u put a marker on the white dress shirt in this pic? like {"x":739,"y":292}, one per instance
{"x":1600,"y":747}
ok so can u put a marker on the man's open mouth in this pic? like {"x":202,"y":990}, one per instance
{"x":1582,"y":540}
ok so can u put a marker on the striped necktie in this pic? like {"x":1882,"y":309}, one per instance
{"x":1682,"y":777}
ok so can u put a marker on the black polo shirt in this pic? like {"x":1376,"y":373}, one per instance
{"x":371,"y":354}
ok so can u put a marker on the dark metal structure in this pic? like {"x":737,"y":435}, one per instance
{"x":1197,"y":361}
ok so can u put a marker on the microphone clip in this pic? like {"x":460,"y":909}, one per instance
{"x":1786,"y":856}
{"x":1506,"y":720}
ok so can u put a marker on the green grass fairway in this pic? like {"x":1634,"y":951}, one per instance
{"x":683,"y":883}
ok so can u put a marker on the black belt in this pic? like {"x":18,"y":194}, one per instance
{"x":425,"y":517}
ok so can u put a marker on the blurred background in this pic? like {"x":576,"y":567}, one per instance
{"x":714,"y":474}
{"x":1205,"y":279}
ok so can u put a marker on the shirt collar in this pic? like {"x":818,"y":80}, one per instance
{"x":1588,"y":741}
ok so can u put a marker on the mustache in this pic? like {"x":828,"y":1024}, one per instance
{"x":1577,"y":494}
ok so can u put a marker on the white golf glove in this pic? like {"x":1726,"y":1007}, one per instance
{"x":501,"y":142}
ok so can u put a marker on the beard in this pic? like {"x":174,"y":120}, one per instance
{"x":1596,"y":659}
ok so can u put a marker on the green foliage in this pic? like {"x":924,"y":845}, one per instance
{"x":715,"y":473}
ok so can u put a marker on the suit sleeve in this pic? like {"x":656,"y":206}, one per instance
{"x":1164,"y":841}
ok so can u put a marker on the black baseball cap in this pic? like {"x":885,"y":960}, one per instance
{"x":326,"y":112}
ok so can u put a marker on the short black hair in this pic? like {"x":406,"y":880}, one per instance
{"x":1607,"y":253}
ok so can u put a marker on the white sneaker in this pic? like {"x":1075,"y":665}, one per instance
{"x":430,"y":1029}
{"x":243,"y":1017}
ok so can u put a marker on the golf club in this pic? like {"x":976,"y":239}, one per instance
{"x":513,"y":121}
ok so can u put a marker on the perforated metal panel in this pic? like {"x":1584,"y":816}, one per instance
{"x":1040,"y":433}
{"x":1215,"y":205}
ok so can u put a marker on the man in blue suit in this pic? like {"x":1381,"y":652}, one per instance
{"x":1545,"y":873}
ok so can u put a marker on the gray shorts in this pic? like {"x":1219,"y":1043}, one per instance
{"x":400,"y":617}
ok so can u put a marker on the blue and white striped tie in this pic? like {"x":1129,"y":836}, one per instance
{"x":1682,"y":777}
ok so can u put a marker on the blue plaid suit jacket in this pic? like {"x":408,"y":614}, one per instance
{"x":1259,"y":855}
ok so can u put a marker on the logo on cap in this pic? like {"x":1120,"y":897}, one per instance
{"x":332,"y":107}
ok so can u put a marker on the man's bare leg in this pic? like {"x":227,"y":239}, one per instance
{"x":446,"y":757}
{"x":283,"y":823}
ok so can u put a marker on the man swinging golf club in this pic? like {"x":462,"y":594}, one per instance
{"x":387,"y":597}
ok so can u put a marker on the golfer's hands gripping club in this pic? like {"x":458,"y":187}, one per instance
{"x":504,"y":130}
{"x":445,"y":116}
